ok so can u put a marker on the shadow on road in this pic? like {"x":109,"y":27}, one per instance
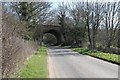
{"x":67,"y":54}
{"x":61,"y":51}
{"x":58,"y":47}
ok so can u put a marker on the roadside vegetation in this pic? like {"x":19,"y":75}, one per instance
{"x":36,"y":66}
{"x":114,"y":58}
{"x":95,"y":25}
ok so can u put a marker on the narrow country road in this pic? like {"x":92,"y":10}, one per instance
{"x":64,"y":63}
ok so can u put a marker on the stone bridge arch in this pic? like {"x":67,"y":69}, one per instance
{"x":52,"y":29}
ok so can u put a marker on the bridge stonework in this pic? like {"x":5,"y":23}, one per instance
{"x":52,"y":29}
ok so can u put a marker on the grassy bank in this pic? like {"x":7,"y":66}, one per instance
{"x":36,"y":66}
{"x":114,"y":58}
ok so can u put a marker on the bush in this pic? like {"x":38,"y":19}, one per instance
{"x":15,"y":50}
{"x":114,"y":58}
{"x":109,"y":50}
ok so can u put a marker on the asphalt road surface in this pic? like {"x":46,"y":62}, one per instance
{"x":64,"y":63}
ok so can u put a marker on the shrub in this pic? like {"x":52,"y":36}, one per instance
{"x":15,"y":50}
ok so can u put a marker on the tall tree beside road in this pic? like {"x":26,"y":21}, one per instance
{"x":35,"y":14}
{"x":111,"y":22}
{"x":118,"y":42}
{"x":78,"y":30}
{"x":62,"y":18}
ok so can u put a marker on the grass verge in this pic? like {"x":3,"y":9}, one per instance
{"x":114,"y":58}
{"x":36,"y":66}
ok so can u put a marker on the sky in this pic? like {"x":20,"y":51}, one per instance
{"x":83,"y":0}
{"x":56,"y":2}
{"x":59,"y":0}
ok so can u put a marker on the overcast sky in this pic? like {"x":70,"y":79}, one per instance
{"x":58,"y":0}
{"x":83,"y":0}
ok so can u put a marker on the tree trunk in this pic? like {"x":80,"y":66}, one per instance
{"x":94,"y":42}
{"x":108,"y":43}
{"x":118,"y":45}
{"x":90,"y":41}
{"x":93,"y":32}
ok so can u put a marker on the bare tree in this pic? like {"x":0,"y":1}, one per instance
{"x":118,"y":42}
{"x":35,"y":14}
{"x":111,"y":22}
{"x":96,"y":18}
{"x":87,"y":13}
{"x":62,"y":18}
{"x":78,"y":22}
